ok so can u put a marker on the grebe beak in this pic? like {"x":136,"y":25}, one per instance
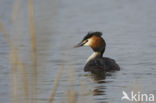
{"x":80,"y":44}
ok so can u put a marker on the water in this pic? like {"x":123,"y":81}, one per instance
{"x":128,"y":26}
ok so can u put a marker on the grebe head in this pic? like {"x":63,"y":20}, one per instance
{"x":93,"y":40}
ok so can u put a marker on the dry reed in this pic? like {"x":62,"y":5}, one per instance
{"x":14,"y":76}
{"x":20,"y":65}
{"x":33,"y":40}
{"x":56,"y":83}
{"x":72,"y":96}
{"x":15,"y":10}
{"x":15,"y":63}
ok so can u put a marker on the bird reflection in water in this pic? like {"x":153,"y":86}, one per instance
{"x":100,"y":88}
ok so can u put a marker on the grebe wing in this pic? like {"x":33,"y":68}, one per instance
{"x":111,"y":64}
{"x":95,"y":65}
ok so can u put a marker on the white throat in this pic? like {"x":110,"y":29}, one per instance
{"x":93,"y":56}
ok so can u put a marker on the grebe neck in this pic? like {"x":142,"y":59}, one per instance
{"x":94,"y":55}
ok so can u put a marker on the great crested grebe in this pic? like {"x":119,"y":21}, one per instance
{"x":96,"y":63}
